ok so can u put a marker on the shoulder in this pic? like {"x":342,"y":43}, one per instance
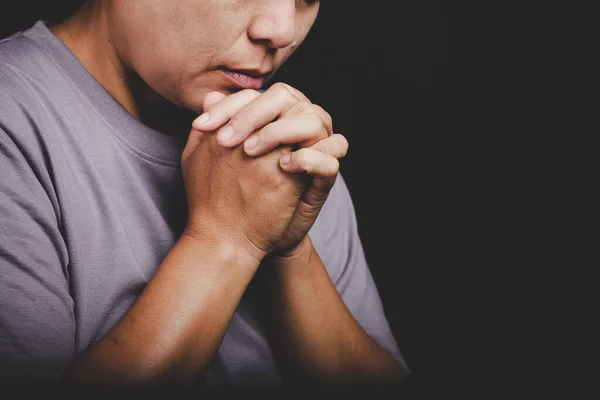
{"x":22,"y":114}
{"x":17,"y":54}
{"x":19,"y":51}
{"x":24,"y":67}
{"x":19,"y":108}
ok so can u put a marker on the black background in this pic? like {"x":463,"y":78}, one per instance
{"x":405,"y":83}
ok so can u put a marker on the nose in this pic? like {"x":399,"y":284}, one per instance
{"x":275,"y":24}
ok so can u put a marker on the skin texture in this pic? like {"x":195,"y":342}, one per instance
{"x":248,"y":205}
{"x":188,"y":45}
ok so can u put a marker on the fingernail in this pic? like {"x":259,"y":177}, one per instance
{"x":201,"y":120}
{"x":251,"y":142}
{"x":225,"y":134}
{"x":285,"y":160}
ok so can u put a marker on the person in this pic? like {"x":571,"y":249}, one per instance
{"x":171,"y":216}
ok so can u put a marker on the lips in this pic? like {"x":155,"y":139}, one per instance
{"x":245,"y":79}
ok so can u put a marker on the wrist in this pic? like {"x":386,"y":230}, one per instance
{"x":227,"y":251}
{"x":298,"y":258}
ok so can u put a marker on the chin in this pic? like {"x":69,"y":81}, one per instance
{"x":193,"y":105}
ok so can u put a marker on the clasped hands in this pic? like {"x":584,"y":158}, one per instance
{"x":258,"y":167}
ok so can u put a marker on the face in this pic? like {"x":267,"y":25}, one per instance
{"x":184,"y":49}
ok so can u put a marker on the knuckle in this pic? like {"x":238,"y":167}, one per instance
{"x":304,"y":107}
{"x":281,"y":86}
{"x":328,"y":120}
{"x":322,"y":112}
{"x":247,"y":95}
{"x":285,"y":92}
{"x":316,"y":121}
{"x":324,"y":116}
{"x":299,"y":108}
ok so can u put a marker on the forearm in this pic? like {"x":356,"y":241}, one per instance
{"x":315,"y":333}
{"x":175,"y":327}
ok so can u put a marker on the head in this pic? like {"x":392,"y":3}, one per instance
{"x":183,"y":49}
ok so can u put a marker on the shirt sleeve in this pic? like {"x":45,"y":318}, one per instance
{"x":337,"y":240}
{"x":37,"y":323}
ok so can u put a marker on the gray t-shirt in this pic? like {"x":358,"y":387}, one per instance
{"x":91,"y":201}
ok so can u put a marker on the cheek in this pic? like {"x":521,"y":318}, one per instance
{"x":165,"y":62}
{"x":158,"y":63}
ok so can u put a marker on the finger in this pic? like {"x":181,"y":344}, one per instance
{"x":303,"y":107}
{"x":306,"y":130}
{"x":335,"y":145}
{"x":212,"y":98}
{"x":220,"y":112}
{"x":318,"y":191}
{"x":261,"y":111}
{"x":301,"y":96}
{"x":311,"y":161}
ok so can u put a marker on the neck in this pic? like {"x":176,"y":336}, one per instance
{"x":86,"y":34}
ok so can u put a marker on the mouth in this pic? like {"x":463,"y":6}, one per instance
{"x":246,"y":79}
